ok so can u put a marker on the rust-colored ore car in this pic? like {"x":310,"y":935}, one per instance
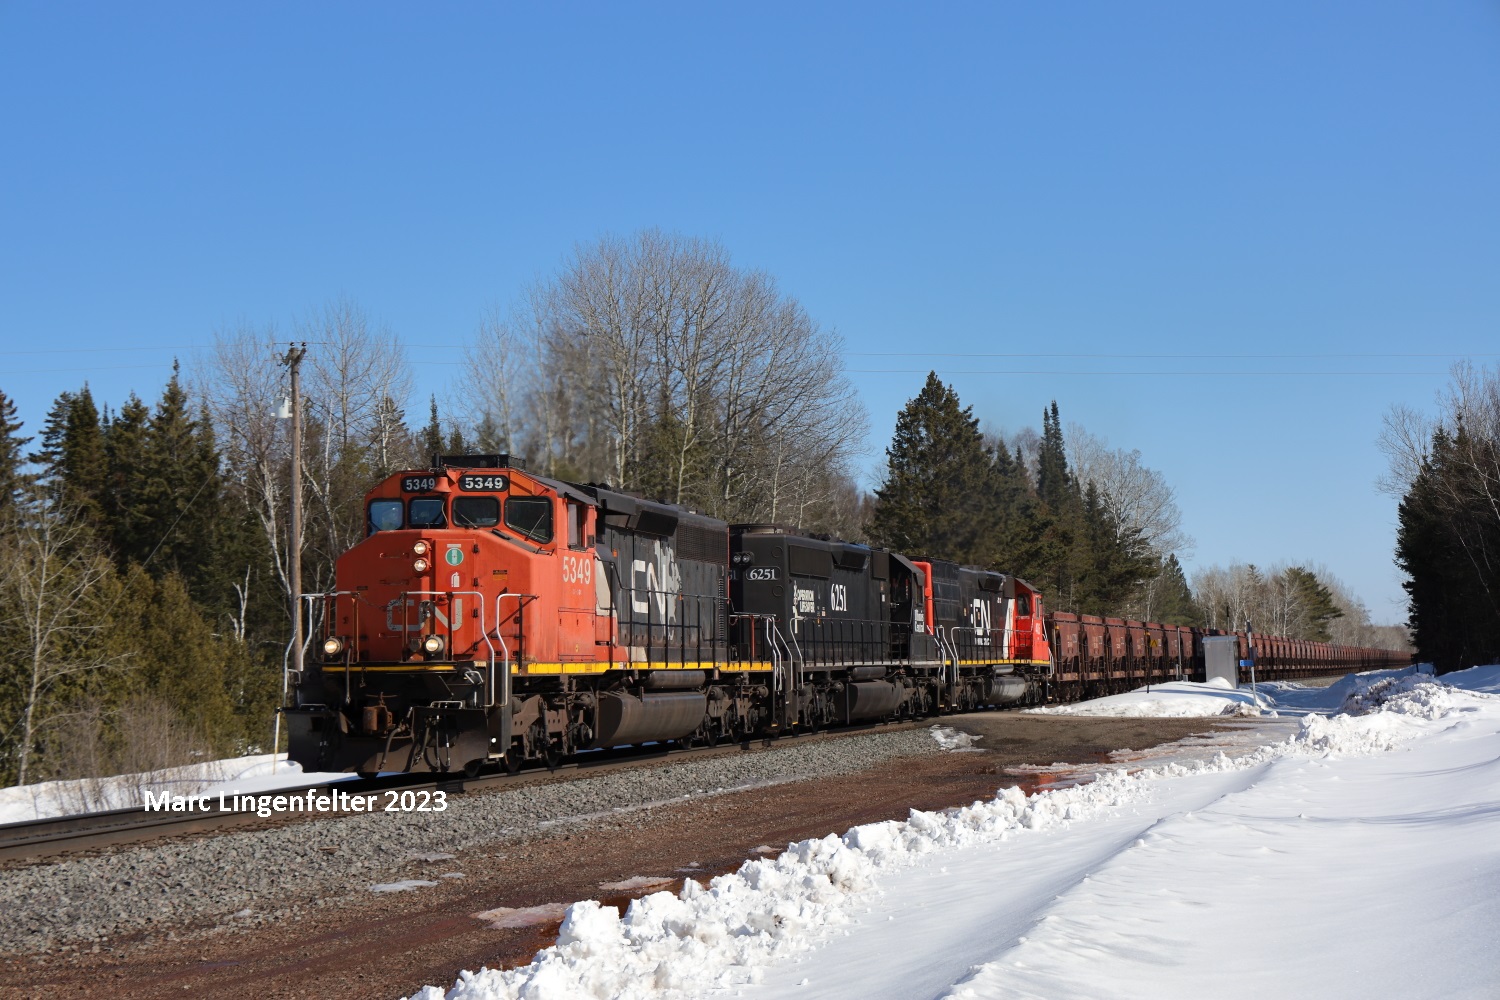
{"x":1098,"y":656}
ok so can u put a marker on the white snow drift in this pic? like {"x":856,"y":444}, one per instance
{"x":1322,"y":864}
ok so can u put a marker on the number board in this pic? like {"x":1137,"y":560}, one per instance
{"x":418,"y":484}
{"x":484,"y":484}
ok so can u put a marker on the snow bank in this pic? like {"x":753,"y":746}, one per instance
{"x":1190,"y":699}
{"x":248,"y":775}
{"x":726,"y":933}
{"x":1484,"y":679}
{"x":1175,"y":699}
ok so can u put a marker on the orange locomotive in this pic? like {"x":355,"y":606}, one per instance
{"x":493,"y":616}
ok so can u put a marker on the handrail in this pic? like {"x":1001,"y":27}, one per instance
{"x":483,"y":631}
{"x":504,"y":649}
{"x":792,"y":661}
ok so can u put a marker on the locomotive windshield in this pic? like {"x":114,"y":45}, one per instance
{"x":476,"y":512}
{"x":531,"y":516}
{"x":385,"y":515}
{"x":426,"y":512}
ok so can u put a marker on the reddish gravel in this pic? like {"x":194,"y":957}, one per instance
{"x":391,"y":945}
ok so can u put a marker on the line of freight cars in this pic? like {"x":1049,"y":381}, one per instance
{"x":1098,"y":656}
{"x":492,"y":617}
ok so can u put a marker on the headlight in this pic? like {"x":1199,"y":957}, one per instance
{"x":333,"y":646}
{"x":433,"y":644}
{"x":420,"y":548}
{"x":420,"y":565}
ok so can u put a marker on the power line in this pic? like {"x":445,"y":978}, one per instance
{"x":855,"y":354}
{"x":1159,"y":357}
{"x":1117,"y":374}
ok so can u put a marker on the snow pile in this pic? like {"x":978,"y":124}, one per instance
{"x":1412,"y":694}
{"x":725,"y":934}
{"x":506,"y":917}
{"x":245,"y":775}
{"x":952,"y":740}
{"x":1175,"y":699}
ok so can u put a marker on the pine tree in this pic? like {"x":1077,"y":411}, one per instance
{"x":1452,"y":616}
{"x":124,"y":510}
{"x":1174,"y":600}
{"x":1021,"y":539}
{"x":178,"y":489}
{"x":13,"y":482}
{"x":1108,"y":561}
{"x":1315,"y":604}
{"x":1054,"y":484}
{"x":72,"y":454}
{"x":1062,"y":548}
{"x":938,"y":498}
{"x":432,"y":435}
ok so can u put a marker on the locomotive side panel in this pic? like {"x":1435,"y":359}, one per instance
{"x":831,"y":599}
{"x":667,"y":572}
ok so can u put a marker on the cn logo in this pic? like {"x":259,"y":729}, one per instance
{"x":981,"y":621}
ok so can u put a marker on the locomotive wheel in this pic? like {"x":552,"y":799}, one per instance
{"x":511,"y":761}
{"x":473,"y":767}
{"x":552,"y":756}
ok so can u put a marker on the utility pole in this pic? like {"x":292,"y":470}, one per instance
{"x":293,"y":360}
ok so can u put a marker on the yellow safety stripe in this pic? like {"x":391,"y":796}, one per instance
{"x":414,"y":668}
{"x":605,"y":667}
{"x":986,"y":663}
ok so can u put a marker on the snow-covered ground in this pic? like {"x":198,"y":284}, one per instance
{"x":1360,"y":856}
{"x":253,"y":774}
{"x":1188,"y":699}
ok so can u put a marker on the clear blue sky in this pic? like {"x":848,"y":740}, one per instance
{"x":1179,"y":179}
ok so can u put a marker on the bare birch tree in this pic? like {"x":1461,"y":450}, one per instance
{"x":53,"y":617}
{"x":496,"y":370}
{"x":242,"y":384}
{"x":357,"y":383}
{"x":358,"y":378}
{"x":1137,"y":497}
{"x":655,"y":363}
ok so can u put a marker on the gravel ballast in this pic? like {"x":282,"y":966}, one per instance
{"x":249,"y":877}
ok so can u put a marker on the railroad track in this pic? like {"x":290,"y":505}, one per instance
{"x":34,"y":840}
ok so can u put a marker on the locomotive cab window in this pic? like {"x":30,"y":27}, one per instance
{"x":385,"y":515}
{"x":426,"y":512}
{"x":531,"y":516}
{"x":476,"y":512}
{"x":575,"y":525}
{"x":1023,"y":605}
